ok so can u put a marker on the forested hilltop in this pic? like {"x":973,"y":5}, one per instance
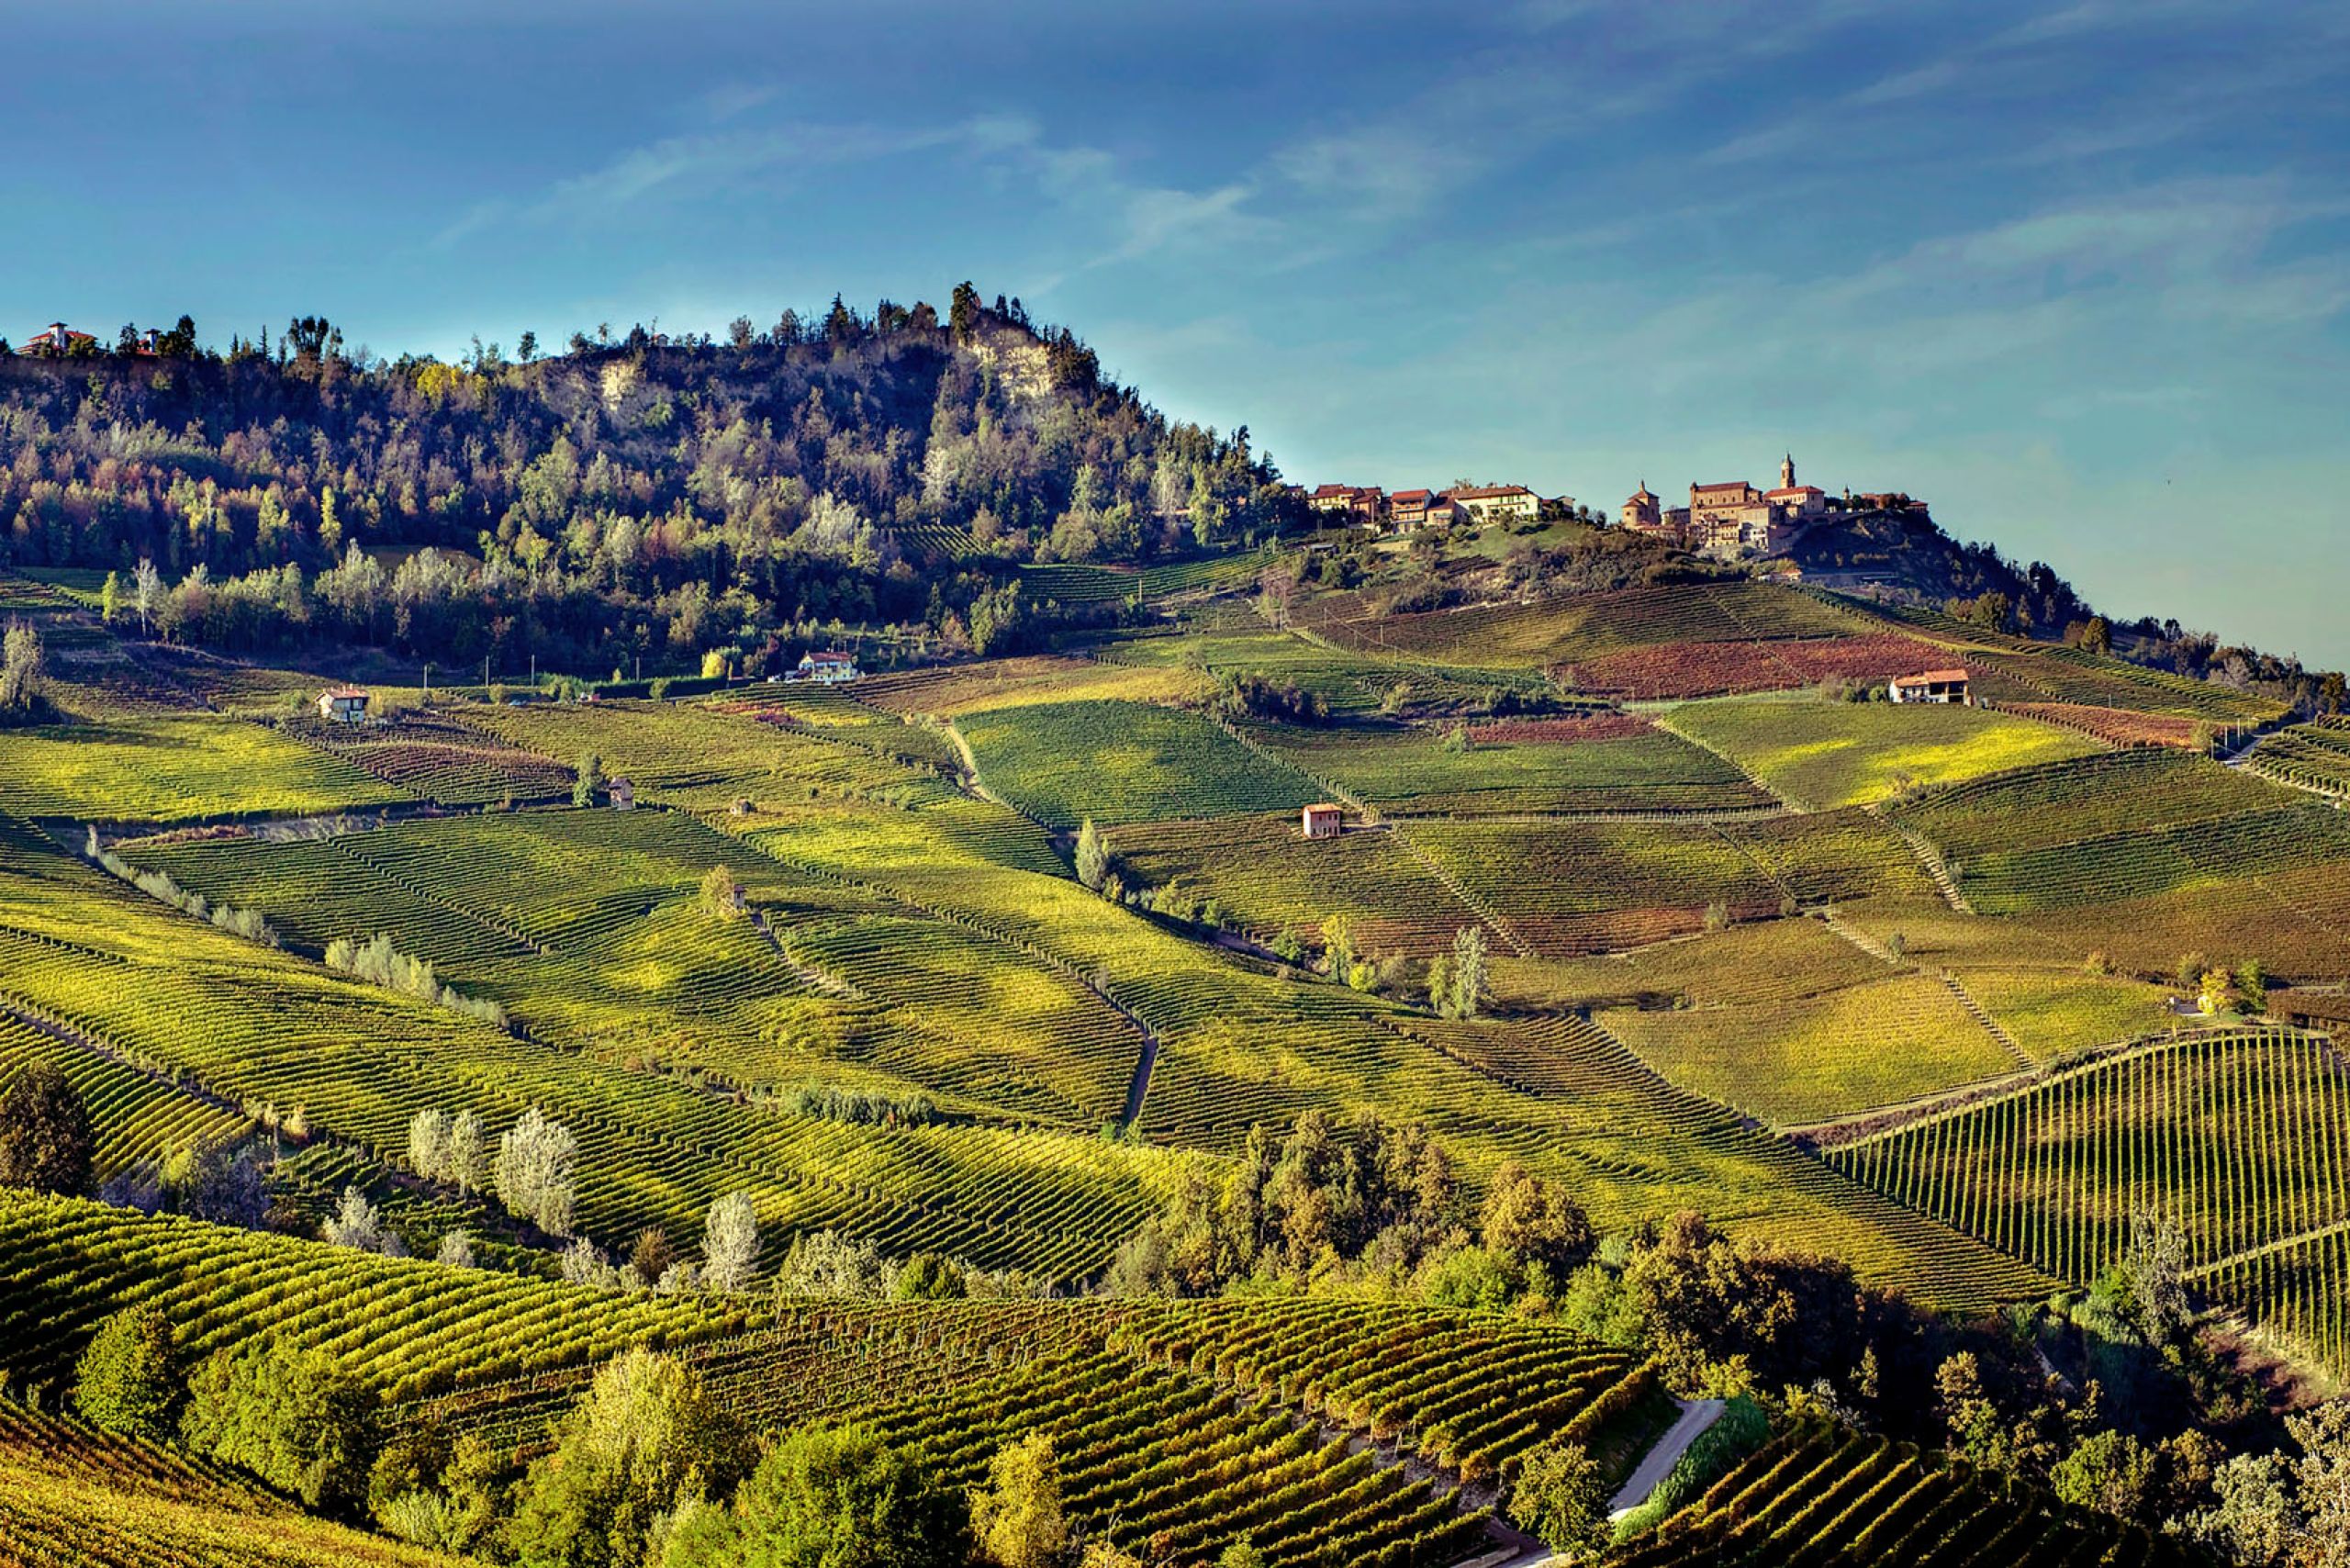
{"x":633,"y":496}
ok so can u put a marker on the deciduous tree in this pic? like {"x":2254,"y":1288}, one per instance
{"x":45,"y":1138}
{"x":1017,"y":1515}
{"x":730,"y":1247}
{"x":830,"y":1497}
{"x":1560,"y":1495}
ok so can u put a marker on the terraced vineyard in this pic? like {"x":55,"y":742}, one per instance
{"x":138,"y":1116}
{"x":437,"y":759}
{"x":71,"y":1494}
{"x":1120,"y":762}
{"x":1412,"y":771}
{"x":1824,"y":755}
{"x":1267,"y":879}
{"x":2308,"y":756}
{"x":949,"y":691}
{"x":2241,"y":1136}
{"x":1549,"y":634}
{"x":171,"y":771}
{"x":2152,"y":854}
{"x":1878,"y":1043}
{"x":251,"y":1025}
{"x":393,"y":1322}
{"x":1720,"y":668}
{"x":1824,"y":1495}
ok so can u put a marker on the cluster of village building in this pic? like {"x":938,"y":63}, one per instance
{"x":1734,"y":518}
{"x":1728,"y":520}
{"x":1426,"y":508}
{"x":57,"y":340}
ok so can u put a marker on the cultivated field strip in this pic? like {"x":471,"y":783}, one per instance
{"x":2245,"y":1137}
{"x":408,"y":1326}
{"x":252,"y":1027}
{"x":1820,"y":1496}
{"x":135,"y":1115}
{"x":71,"y":1496}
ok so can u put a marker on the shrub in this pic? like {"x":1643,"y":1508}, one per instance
{"x":128,"y":1380}
{"x":296,"y":1419}
{"x":829,"y":1496}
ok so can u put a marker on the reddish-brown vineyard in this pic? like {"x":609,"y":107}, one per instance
{"x":2120,"y":725}
{"x":1709,"y":669}
{"x":1590,"y":727}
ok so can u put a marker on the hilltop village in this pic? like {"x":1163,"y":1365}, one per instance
{"x":1731,"y":520}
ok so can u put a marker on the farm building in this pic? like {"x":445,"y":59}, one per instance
{"x":1485,"y":503}
{"x":1322,"y":820}
{"x":56,"y":338}
{"x":1949,"y":686}
{"x":1363,"y":503}
{"x":622,"y":793}
{"x":828,"y":667}
{"x":2326,"y":1010}
{"x":344,"y":704}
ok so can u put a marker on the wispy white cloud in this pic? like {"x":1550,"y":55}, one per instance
{"x":680,"y":167}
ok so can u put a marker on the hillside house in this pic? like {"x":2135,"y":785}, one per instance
{"x":1334,"y":504}
{"x":828,"y":667}
{"x":622,"y":793}
{"x":1409,"y":508}
{"x":1496,"y":503}
{"x":1946,"y":686}
{"x":1324,"y":819}
{"x":344,"y":705}
{"x":57,"y":337}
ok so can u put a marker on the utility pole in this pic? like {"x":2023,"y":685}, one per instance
{"x":427,"y":683}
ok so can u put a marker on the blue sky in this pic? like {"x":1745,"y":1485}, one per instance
{"x":2079,"y":275}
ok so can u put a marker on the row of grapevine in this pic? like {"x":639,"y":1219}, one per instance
{"x":408,"y":1325}
{"x":1817,"y":1497}
{"x":74,"y":1498}
{"x":2244,"y":1136}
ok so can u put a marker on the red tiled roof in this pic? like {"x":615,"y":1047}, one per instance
{"x":1931,"y":677}
{"x":1322,"y":808}
{"x":1486,"y":492}
{"x":1421,"y":496}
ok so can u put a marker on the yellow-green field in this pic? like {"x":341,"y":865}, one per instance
{"x":1821,"y":755}
{"x":1877,"y":1044}
{"x":176,"y":771}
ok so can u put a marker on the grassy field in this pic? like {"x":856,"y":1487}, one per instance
{"x":953,"y":691}
{"x":1829,"y":1055}
{"x":1821,"y":755}
{"x":1122,"y":762}
{"x":166,"y":771}
{"x":1412,"y":771}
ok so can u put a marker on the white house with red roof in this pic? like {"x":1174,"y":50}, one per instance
{"x":57,"y":337}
